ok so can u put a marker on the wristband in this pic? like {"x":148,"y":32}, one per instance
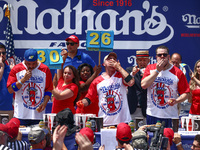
{"x":48,"y":93}
{"x":88,"y":100}
{"x":132,"y":74}
{"x":14,"y":87}
{"x":157,"y":71}
{"x":20,"y":82}
{"x":179,"y":144}
{"x":128,"y":78}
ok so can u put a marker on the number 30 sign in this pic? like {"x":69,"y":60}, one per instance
{"x":50,"y":57}
{"x":99,"y":40}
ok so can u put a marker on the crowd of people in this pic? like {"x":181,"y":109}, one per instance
{"x":153,"y":92}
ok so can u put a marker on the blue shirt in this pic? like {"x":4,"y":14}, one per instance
{"x":5,"y":97}
{"x":79,"y":59}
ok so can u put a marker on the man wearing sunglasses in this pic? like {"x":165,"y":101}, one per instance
{"x":5,"y":97}
{"x":73,"y":56}
{"x":164,"y":82}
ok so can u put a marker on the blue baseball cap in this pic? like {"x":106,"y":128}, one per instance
{"x":30,"y":55}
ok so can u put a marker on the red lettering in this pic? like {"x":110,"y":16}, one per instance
{"x":190,"y":34}
{"x":102,"y":3}
{"x":94,"y":2}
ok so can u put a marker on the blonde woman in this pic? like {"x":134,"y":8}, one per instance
{"x":194,"y":97}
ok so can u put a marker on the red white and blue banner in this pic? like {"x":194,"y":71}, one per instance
{"x":137,"y":25}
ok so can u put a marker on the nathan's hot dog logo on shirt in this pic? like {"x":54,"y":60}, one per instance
{"x":111,"y":103}
{"x":161,"y":94}
{"x":32,"y":96}
{"x":32,"y":92}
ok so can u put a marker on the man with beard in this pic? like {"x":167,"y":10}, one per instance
{"x":31,"y":81}
{"x":163,"y":82}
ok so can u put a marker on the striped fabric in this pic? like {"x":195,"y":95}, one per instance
{"x":2,"y":147}
{"x":19,"y":145}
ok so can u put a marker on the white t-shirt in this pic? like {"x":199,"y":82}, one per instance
{"x":31,"y":94}
{"x":113,"y":105}
{"x":167,"y":85}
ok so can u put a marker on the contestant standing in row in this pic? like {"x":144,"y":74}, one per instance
{"x":31,"y":81}
{"x":163,"y":82}
{"x":109,"y":90}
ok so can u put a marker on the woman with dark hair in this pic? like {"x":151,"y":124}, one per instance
{"x":66,"y":93}
{"x":194,"y":97}
{"x":87,"y":75}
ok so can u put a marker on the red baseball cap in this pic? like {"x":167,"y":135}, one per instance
{"x":13,"y":127}
{"x":3,"y":128}
{"x":73,"y":38}
{"x":123,"y":132}
{"x":169,"y":133}
{"x":88,"y":132}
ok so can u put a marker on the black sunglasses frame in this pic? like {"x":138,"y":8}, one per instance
{"x":2,"y":53}
{"x":159,"y":55}
{"x":72,"y":44}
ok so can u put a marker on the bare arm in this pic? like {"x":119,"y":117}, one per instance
{"x":124,"y":73}
{"x":147,"y":81}
{"x":44,"y":104}
{"x":67,"y":93}
{"x":190,"y":97}
{"x":84,"y":87}
{"x":26,"y":77}
{"x":181,"y":98}
{"x":64,"y":147}
{"x":194,"y":78}
{"x":57,"y":75}
{"x":177,"y":140}
{"x":134,"y":70}
{"x":55,"y":81}
{"x":58,"y":137}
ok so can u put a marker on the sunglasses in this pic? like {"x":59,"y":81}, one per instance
{"x":164,"y":55}
{"x":2,"y":53}
{"x":72,"y":44}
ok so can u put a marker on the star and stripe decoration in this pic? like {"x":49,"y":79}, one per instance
{"x":10,"y":51}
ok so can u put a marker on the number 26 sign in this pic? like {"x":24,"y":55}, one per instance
{"x":99,"y":40}
{"x":50,"y":57}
